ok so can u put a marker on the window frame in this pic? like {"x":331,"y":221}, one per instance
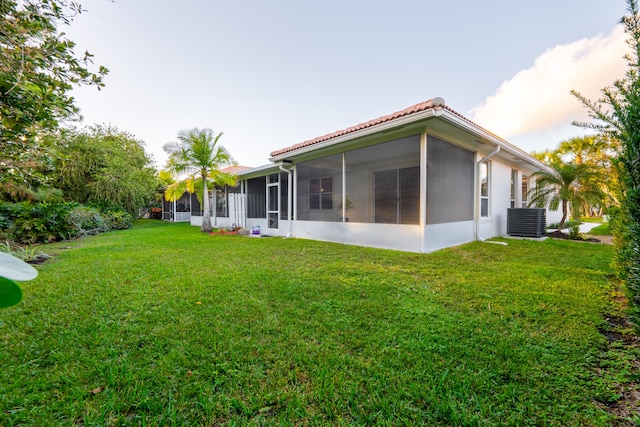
{"x":514,"y":188}
{"x":320,"y":199}
{"x":484,"y":182}
{"x":524,"y":198}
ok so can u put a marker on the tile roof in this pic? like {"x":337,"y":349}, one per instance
{"x":436,"y":103}
{"x":235,"y":170}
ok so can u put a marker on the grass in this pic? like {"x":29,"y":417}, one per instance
{"x":596,"y":219}
{"x":601,"y":230}
{"x":164,"y":325}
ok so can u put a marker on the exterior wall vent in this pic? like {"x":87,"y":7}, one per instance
{"x":526,"y":222}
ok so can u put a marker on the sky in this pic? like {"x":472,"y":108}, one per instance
{"x":270,"y":74}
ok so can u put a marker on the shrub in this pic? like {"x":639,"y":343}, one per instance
{"x":42,"y":222}
{"x":48,"y":222}
{"x":567,"y":224}
{"x":574,"y":231}
{"x":118,"y":219}
{"x":86,"y":220}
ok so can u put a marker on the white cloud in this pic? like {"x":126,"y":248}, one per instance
{"x":538,"y":99}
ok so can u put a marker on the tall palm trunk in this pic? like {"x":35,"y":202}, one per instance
{"x":565,"y":205}
{"x":206,"y":214}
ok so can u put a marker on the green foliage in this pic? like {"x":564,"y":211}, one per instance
{"x":569,"y":185}
{"x":574,"y":232}
{"x":38,"y":69}
{"x":10,"y":293}
{"x":617,"y":114}
{"x":49,"y":222}
{"x":296,"y":332}
{"x":85,"y":220}
{"x":102,"y":165}
{"x":118,"y":219}
{"x":25,"y":253}
{"x":567,"y":224}
{"x":42,"y":222}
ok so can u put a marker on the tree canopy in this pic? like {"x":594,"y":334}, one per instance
{"x":103,"y":165}
{"x":38,"y":69}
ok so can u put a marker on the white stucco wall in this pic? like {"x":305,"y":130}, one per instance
{"x":386,"y":236}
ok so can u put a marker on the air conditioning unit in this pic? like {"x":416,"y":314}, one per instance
{"x":526,"y":222}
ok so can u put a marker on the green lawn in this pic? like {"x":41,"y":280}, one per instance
{"x":601,"y":230}
{"x":164,"y":325}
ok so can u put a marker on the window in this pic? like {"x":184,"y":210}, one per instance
{"x":514,"y":186}
{"x":319,"y":189}
{"x":397,"y":196}
{"x":484,"y":189}
{"x":525,"y":191}
{"x":321,"y":193}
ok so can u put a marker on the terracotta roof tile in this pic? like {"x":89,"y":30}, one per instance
{"x":234,"y":170}
{"x":431,"y":103}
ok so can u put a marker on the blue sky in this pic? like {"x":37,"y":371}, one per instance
{"x":270,"y":74}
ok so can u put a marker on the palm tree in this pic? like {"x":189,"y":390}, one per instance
{"x":198,"y":155}
{"x":582,"y":147}
{"x":569,"y":185}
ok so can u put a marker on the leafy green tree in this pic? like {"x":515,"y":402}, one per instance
{"x":102,"y":165}
{"x":38,"y":68}
{"x":569,"y":186}
{"x":197,"y":155}
{"x":617,"y":114}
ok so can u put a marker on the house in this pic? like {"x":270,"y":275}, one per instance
{"x":420,"y":179}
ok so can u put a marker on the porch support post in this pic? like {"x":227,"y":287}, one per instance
{"x":423,"y":187}
{"x":294,"y":198}
{"x":344,"y":187}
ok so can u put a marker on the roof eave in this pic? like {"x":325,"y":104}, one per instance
{"x":382,"y":127}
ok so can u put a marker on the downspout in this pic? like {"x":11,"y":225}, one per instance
{"x":482,"y":160}
{"x":289,"y":197}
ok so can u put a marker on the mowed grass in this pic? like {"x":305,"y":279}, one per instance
{"x":164,"y":325}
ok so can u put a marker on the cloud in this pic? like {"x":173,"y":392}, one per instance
{"x":538,"y":99}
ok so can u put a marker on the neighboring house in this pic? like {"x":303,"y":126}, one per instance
{"x":417,"y":180}
{"x":188,"y":205}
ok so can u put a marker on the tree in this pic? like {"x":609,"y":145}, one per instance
{"x":597,"y":151}
{"x":547,"y":156}
{"x":617,"y":114}
{"x":198,"y":155}
{"x":581,"y":147}
{"x":38,"y":68}
{"x":100,"y":164}
{"x":570,"y":186}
